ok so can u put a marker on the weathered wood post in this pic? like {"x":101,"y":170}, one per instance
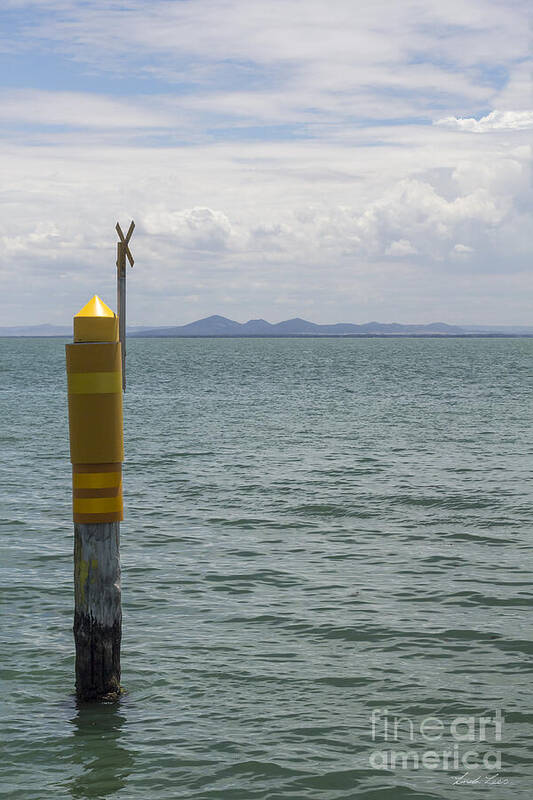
{"x":94,"y":372}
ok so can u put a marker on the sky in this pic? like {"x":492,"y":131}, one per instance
{"x":336,"y":160}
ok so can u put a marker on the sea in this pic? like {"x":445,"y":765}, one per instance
{"x":326,"y":573}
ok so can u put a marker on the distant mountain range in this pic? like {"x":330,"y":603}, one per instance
{"x":37,"y":330}
{"x":49,"y":330}
{"x":221,"y":326}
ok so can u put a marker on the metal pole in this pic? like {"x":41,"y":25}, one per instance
{"x":121,"y":305}
{"x":123,"y":251}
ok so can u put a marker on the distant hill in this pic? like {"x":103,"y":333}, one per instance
{"x":221,"y":326}
{"x":51,"y":330}
{"x":37,"y":330}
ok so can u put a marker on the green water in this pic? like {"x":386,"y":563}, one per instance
{"x":315,"y":530}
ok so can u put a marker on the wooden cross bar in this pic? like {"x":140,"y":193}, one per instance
{"x":123,"y":252}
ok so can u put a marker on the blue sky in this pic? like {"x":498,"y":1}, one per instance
{"x":340,"y":161}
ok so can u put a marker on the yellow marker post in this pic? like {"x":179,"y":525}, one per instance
{"x":94,"y":377}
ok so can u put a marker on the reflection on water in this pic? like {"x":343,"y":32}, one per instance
{"x":98,"y":746}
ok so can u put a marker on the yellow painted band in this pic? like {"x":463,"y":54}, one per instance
{"x":96,"y":480}
{"x":96,"y":329}
{"x":94,"y":382}
{"x":96,"y":505}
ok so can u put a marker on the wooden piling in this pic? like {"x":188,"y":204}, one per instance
{"x":97,"y":611}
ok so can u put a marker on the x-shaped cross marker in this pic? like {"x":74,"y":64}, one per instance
{"x":125,"y":240}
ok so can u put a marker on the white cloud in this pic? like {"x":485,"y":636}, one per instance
{"x":463,"y":248}
{"x":81,"y":110}
{"x":495,"y":121}
{"x":195,"y":228}
{"x":401,"y":247}
{"x":516,"y":91}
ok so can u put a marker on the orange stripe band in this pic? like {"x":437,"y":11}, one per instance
{"x":116,"y":467}
{"x":113,"y":491}
{"x":90,"y":519}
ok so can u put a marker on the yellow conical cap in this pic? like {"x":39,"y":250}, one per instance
{"x":95,"y":322}
{"x":95,"y":308}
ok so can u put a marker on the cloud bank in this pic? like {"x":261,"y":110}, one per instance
{"x":495,"y":121}
{"x":281,"y":158}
